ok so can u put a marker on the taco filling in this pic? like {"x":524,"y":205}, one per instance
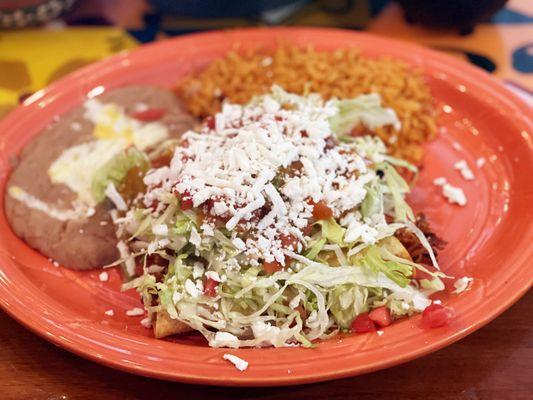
{"x":273,"y":226}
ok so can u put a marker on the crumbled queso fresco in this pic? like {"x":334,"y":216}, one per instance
{"x":134,"y":312}
{"x":452,"y":193}
{"x":462,"y":284}
{"x":238,"y":362}
{"x":464,"y":169}
{"x":233,"y":170}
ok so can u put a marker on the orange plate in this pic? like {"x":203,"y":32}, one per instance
{"x":489,"y":239}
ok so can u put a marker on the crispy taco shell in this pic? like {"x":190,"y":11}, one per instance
{"x":165,"y":325}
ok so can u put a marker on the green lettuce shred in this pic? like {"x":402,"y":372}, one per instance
{"x":332,"y":231}
{"x":399,"y":188}
{"x":398,"y":272}
{"x":115,"y":170}
{"x":366,"y":110}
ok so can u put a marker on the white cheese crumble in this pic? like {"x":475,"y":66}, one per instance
{"x":462,"y":284}
{"x":192,"y":288}
{"x":160,"y":230}
{"x":439,"y":181}
{"x":146,"y":322}
{"x":239,"y":363}
{"x":208,"y":229}
{"x":480,"y":162}
{"x":213,"y":275}
{"x":235,"y":165}
{"x":195,"y":238}
{"x":104,"y":276}
{"x":109,"y":312}
{"x":295,"y":301}
{"x":198,"y":270}
{"x":239,"y":244}
{"x":135,"y":312}
{"x":379,"y":332}
{"x":453,"y":194}
{"x":224,"y":339}
{"x":464,"y":169}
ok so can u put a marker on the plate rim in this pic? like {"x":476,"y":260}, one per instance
{"x":482,"y":78}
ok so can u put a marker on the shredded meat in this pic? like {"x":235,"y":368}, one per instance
{"x":418,"y":252}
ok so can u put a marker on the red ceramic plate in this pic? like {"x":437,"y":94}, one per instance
{"x":489,"y":239}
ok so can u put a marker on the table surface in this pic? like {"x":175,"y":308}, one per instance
{"x":495,"y":362}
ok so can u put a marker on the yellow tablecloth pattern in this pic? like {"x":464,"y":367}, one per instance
{"x":31,"y":59}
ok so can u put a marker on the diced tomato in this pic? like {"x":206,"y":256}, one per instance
{"x":308,"y":230}
{"x":322,"y":211}
{"x":330,"y":143}
{"x":271,"y":267}
{"x":186,"y":201}
{"x":359,"y":130}
{"x":301,"y":311}
{"x":288,"y":261}
{"x":151,"y":114}
{"x":161,"y":161}
{"x":260,"y":213}
{"x":362,"y":323}
{"x":436,"y":315}
{"x":289,"y":241}
{"x":210,"y":287}
{"x":381,"y":316}
{"x":139,"y":269}
{"x":210,"y":122}
{"x":208,"y":215}
{"x":154,"y":204}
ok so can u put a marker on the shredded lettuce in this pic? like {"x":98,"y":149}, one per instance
{"x":183,"y":226}
{"x":316,"y":248}
{"x":398,"y":272}
{"x":226,"y":244}
{"x":346,"y":302}
{"x":398,"y":188}
{"x":373,"y":202}
{"x":115,"y":170}
{"x":323,"y":287}
{"x":332,"y":231}
{"x":366,"y":110}
{"x":433,"y":285}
